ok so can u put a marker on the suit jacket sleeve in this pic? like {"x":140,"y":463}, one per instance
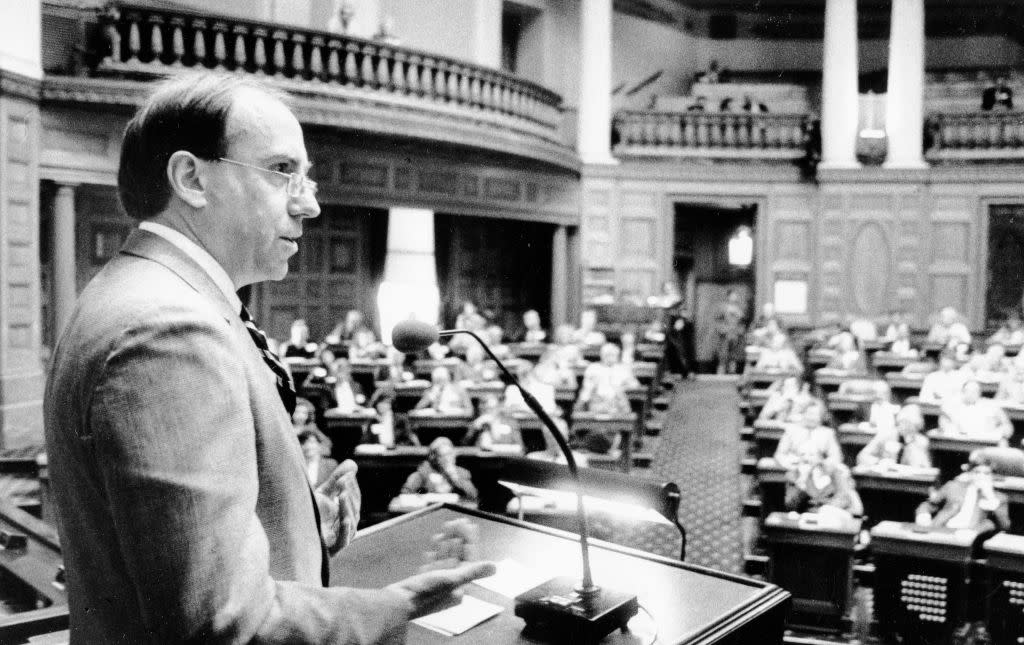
{"x":176,"y":452}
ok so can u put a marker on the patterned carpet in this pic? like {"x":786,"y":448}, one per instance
{"x":699,"y":449}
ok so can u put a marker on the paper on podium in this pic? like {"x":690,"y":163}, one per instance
{"x":511,"y":578}
{"x":453,"y":621}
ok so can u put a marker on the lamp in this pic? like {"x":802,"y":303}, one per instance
{"x":741,"y":248}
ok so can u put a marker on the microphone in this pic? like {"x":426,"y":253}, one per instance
{"x":560,"y":608}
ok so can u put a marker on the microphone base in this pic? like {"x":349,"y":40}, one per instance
{"x":555,"y":613}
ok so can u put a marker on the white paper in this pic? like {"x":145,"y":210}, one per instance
{"x":463,"y":616}
{"x":512,"y":579}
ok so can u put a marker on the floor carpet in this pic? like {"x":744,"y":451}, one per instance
{"x":699,"y":449}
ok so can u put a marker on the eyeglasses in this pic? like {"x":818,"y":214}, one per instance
{"x":297,"y":184}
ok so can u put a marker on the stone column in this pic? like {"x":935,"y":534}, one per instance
{"x":593,"y":137}
{"x":559,"y":277}
{"x":487,"y":33}
{"x":21,"y":367}
{"x":65,"y":289}
{"x":904,"y":109}
{"x":839,"y":102}
{"x":409,"y":288}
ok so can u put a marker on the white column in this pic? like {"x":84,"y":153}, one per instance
{"x":65,"y":289}
{"x":904,"y":110}
{"x":409,"y":289}
{"x":839,"y":86}
{"x":593,"y":135}
{"x":559,"y":277}
{"x":487,"y":33}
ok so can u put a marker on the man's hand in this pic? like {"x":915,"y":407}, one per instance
{"x":432,"y":591}
{"x":339,"y":500}
{"x":454,"y":545}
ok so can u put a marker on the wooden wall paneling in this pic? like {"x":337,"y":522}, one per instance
{"x":953,"y":255}
{"x":786,"y":230}
{"x":835,"y":207}
{"x":638,"y":253}
{"x":908,"y":255}
{"x":598,"y":230}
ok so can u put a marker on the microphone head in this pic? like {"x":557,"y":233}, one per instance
{"x":411,"y":336}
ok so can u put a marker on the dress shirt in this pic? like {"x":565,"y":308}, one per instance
{"x":198,"y":255}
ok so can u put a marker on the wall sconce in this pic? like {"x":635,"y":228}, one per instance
{"x":741,"y":248}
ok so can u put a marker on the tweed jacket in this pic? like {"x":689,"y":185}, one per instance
{"x":182,"y":499}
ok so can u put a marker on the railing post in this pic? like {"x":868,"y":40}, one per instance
{"x":240,"y":58}
{"x":316,"y":60}
{"x":220,"y":50}
{"x":199,"y":41}
{"x":156,"y":37}
{"x":298,"y":56}
{"x":259,"y":49}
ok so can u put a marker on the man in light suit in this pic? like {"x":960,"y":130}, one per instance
{"x":183,"y":504}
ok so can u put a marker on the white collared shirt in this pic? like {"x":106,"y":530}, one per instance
{"x":200,"y":257}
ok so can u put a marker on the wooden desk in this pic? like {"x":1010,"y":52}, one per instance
{"x":886,"y":362}
{"x":893,"y":493}
{"x":814,"y":562}
{"x":771,"y":482}
{"x":528,"y":351}
{"x":818,"y":358}
{"x":950,"y":451}
{"x":365,"y":372}
{"x":904,"y":386}
{"x":625,"y":426}
{"x":430,"y":426}
{"x":829,"y":380}
{"x":767,"y":435}
{"x":764,"y":378}
{"x":408,"y":394}
{"x":689,"y":604}
{"x":922,"y":580}
{"x":1004,"y":554}
{"x":1013,"y":488}
{"x":346,"y":430}
{"x":852,"y":440}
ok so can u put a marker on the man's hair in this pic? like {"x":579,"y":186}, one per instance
{"x":188,"y":112}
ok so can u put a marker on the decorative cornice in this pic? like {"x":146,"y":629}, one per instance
{"x":360,"y":110}
{"x":19,"y":85}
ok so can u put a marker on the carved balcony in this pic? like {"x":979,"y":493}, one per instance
{"x":975,"y":136}
{"x":721,"y":135}
{"x":337,"y":80}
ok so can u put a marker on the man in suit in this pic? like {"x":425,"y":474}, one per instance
{"x":967,"y":502}
{"x":183,"y":503}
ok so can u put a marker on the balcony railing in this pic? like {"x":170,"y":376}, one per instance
{"x":975,"y":136}
{"x":341,"y":81}
{"x":706,"y":134}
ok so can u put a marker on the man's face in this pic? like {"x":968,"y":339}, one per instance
{"x":251,"y":219}
{"x":812,"y":417}
{"x":972,"y":392}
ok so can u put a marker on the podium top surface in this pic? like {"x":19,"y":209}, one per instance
{"x":690,"y":604}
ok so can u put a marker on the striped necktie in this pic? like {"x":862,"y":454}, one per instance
{"x":285,"y":386}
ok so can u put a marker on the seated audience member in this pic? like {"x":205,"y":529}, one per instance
{"x":346,"y":329}
{"x":901,"y":342}
{"x":394,"y":372}
{"x":628,"y":342}
{"x":531,"y":332}
{"x":443,"y":396}
{"x":298,"y":345}
{"x":439,"y":474}
{"x":343,"y":394}
{"x":809,"y":429}
{"x":974,"y":416}
{"x":945,"y":384}
{"x":383,"y":430}
{"x":997,"y":95}
{"x":669,"y":298}
{"x":778,"y":357}
{"x":787,"y":401}
{"x":304,"y":420}
{"x":605,"y":384}
{"x":994,"y":364}
{"x":905,"y":445}
{"x":494,"y":336}
{"x":967,"y":502}
{"x":892,"y":327}
{"x":1011,"y":332}
{"x":567,"y":352}
{"x":476,"y":368}
{"x":587,"y":333}
{"x":1011,"y":388}
{"x":816,"y":484}
{"x":948,"y":330}
{"x":882,"y":413}
{"x":495,"y":430}
{"x":700,"y":104}
{"x":364,"y":346}
{"x":553,"y":453}
{"x":550,"y":369}
{"x":847,"y":357}
{"x":764,"y":326}
{"x":541,"y":390}
{"x":471,"y":320}
{"x":318,"y":466}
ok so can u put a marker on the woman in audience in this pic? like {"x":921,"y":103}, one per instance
{"x":495,"y":430}
{"x":904,"y":445}
{"x":901,"y":342}
{"x":787,"y":400}
{"x":974,"y":416}
{"x":605,"y":384}
{"x":948,"y":330}
{"x":882,"y":413}
{"x":778,"y":357}
{"x":444,"y":396}
{"x":439,"y":474}
{"x":383,"y":430}
{"x":318,"y":466}
{"x":809,"y":429}
{"x":346,"y":329}
{"x":532,"y":333}
{"x":817,"y":484}
{"x":848,"y":358}
{"x":298,"y":345}
{"x":967,"y":502}
{"x":944,"y":384}
{"x":364,"y":346}
{"x":304,"y":419}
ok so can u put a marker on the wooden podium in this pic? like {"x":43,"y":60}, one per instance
{"x":689,"y":604}
{"x":1004,"y":554}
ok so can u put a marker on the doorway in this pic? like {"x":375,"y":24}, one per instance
{"x":713,"y":256}
{"x":1005,"y":271}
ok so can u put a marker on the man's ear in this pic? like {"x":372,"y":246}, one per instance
{"x":186,"y":175}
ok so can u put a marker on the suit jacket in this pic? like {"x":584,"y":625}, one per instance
{"x":945,"y":503}
{"x":183,"y":504}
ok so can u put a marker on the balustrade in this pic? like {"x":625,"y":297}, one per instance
{"x":150,"y":39}
{"x":975,"y":135}
{"x":727,"y":134}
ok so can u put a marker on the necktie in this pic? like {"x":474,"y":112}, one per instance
{"x":285,"y":387}
{"x":286,"y":390}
